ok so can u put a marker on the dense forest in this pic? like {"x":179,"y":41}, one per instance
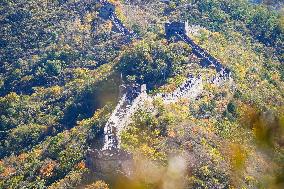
{"x":61,"y":70}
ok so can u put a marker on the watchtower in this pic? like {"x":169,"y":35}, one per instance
{"x":106,"y":10}
{"x":173,"y":28}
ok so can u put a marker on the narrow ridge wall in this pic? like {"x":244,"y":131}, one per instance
{"x":111,"y":159}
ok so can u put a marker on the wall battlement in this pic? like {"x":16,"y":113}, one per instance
{"x":180,"y":30}
{"x":190,"y":89}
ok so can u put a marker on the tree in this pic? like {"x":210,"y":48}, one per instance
{"x":153,"y":62}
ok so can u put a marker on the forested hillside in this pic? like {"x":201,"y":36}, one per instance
{"x":62,"y":66}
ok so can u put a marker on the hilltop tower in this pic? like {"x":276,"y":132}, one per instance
{"x":173,"y":28}
{"x":107,"y":10}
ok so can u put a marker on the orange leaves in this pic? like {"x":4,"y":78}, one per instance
{"x":81,"y":165}
{"x":8,"y":171}
{"x":98,"y":185}
{"x":22,"y":157}
{"x":47,"y":169}
{"x":171,"y":133}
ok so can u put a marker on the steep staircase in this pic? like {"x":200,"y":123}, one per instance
{"x":201,"y":53}
{"x":121,"y":28}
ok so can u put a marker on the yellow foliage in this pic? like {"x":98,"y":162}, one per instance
{"x":247,"y":113}
{"x":56,"y":90}
{"x":27,"y":78}
{"x":115,"y":2}
{"x":90,"y":17}
{"x":13,"y":97}
{"x":237,"y":156}
{"x":37,"y":152}
{"x":147,"y":151}
{"x":98,"y":185}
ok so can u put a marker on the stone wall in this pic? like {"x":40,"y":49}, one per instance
{"x":190,"y":89}
{"x":111,"y":160}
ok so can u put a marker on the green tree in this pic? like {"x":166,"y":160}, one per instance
{"x":153,"y":62}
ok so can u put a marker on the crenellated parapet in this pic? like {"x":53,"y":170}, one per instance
{"x":190,"y":89}
{"x":221,"y":78}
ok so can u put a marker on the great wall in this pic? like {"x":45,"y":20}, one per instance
{"x":110,"y":157}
